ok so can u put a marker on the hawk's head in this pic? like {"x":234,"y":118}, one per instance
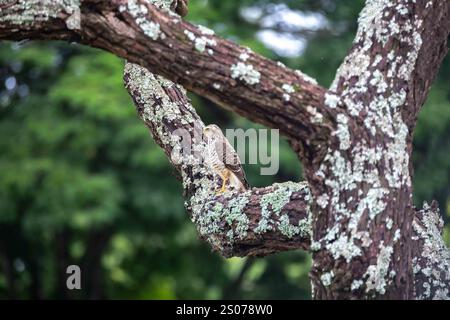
{"x":212,"y":131}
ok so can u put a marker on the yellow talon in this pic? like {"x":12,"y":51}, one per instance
{"x":224,"y":183}
{"x":222,"y":190}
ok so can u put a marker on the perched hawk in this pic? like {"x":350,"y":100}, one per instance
{"x":223,"y":160}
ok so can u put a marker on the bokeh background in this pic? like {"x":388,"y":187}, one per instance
{"x":81,"y":181}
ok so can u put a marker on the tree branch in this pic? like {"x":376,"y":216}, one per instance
{"x":398,"y":50}
{"x":217,"y":69}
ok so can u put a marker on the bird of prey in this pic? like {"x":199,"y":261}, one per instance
{"x":223,"y":160}
{"x":180,"y":7}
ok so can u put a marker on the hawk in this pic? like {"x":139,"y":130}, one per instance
{"x":223,"y":160}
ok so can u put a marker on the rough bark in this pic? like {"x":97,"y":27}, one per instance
{"x":354,"y":140}
{"x":363,"y":214}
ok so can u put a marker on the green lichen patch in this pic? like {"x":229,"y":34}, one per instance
{"x":215,"y":219}
{"x":29,"y":11}
{"x":271,"y":206}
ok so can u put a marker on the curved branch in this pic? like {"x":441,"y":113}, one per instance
{"x":259,"y":221}
{"x":232,"y":76}
{"x":398,"y":50}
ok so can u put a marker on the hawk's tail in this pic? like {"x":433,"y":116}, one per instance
{"x":236,"y":183}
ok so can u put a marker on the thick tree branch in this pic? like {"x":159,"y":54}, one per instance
{"x":230,"y":75}
{"x":363,"y":213}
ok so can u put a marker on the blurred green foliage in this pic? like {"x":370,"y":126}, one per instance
{"x":81,"y":181}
